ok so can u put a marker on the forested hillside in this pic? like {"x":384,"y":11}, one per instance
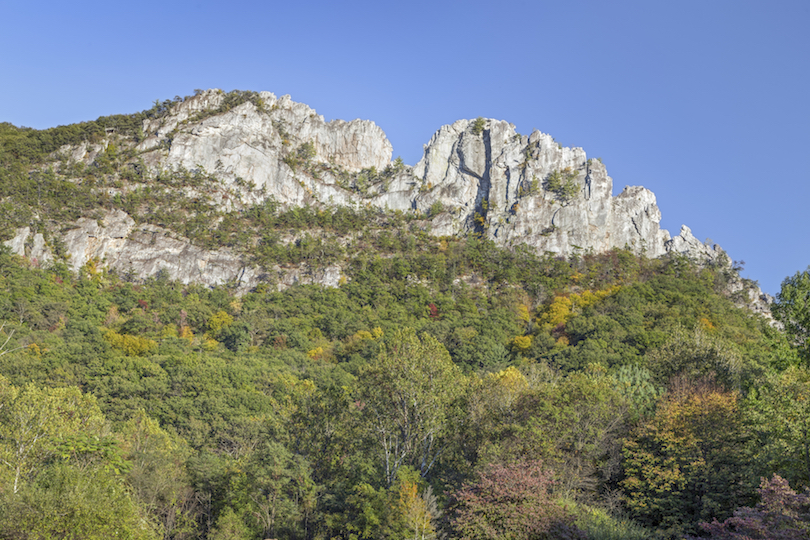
{"x":446,"y":388}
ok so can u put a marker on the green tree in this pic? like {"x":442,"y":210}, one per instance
{"x":695,"y":354}
{"x":61,"y":475}
{"x":779,"y":414}
{"x":574,"y":425}
{"x":367,"y":514}
{"x":563,"y":184}
{"x":231,"y":526}
{"x":66,"y":501}
{"x":407,"y":509}
{"x":635,"y":384}
{"x":792,"y":309}
{"x":407,"y":395}
{"x":157,"y":474}
{"x":32,"y":423}
{"x":477,"y":126}
{"x":276,"y":489}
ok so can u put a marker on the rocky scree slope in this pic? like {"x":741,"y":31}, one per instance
{"x":476,"y":176}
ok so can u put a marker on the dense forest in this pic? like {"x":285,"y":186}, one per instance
{"x":447,"y":388}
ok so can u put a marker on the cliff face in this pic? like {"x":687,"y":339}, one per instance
{"x":252,"y":144}
{"x":531,"y":190}
{"x":475,"y":176}
{"x":483,"y":175}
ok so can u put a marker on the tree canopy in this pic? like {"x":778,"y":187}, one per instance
{"x":446,"y":387}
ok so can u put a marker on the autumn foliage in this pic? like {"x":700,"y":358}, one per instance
{"x":782,"y":514}
{"x":684,"y":462}
{"x":511,"y":502}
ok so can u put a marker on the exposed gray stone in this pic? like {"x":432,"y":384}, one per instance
{"x":492,"y":182}
{"x":687,"y":244}
{"x":144,"y":251}
{"x":40,"y":253}
{"x":37,"y":250}
{"x":251,"y":144}
{"x":17,"y":243}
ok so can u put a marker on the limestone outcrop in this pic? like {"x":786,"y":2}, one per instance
{"x":262,"y":147}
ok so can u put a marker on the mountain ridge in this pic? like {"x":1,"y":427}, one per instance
{"x":239,"y":150}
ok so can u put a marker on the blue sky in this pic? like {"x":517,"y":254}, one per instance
{"x":703,"y":102}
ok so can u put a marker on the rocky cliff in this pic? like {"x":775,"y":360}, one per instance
{"x":475,"y":176}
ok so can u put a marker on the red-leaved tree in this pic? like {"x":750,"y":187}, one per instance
{"x":782,"y":514}
{"x":511,"y":502}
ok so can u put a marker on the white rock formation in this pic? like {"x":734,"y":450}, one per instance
{"x":686,"y":243}
{"x":495,"y":181}
{"x":31,"y":246}
{"x":251,"y":144}
{"x":477,"y":176}
{"x":144,"y":251}
{"x":489,"y":179}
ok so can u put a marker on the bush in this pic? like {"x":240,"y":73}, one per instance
{"x":563,"y":184}
{"x":600,"y":525}
{"x":478,"y":126}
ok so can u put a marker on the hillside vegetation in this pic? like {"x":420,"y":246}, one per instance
{"x":447,"y":387}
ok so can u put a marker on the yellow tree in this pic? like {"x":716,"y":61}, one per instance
{"x":416,"y":512}
{"x":684,"y":465}
{"x":34,"y":420}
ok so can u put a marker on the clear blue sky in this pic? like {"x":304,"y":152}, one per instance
{"x":704,"y":102}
